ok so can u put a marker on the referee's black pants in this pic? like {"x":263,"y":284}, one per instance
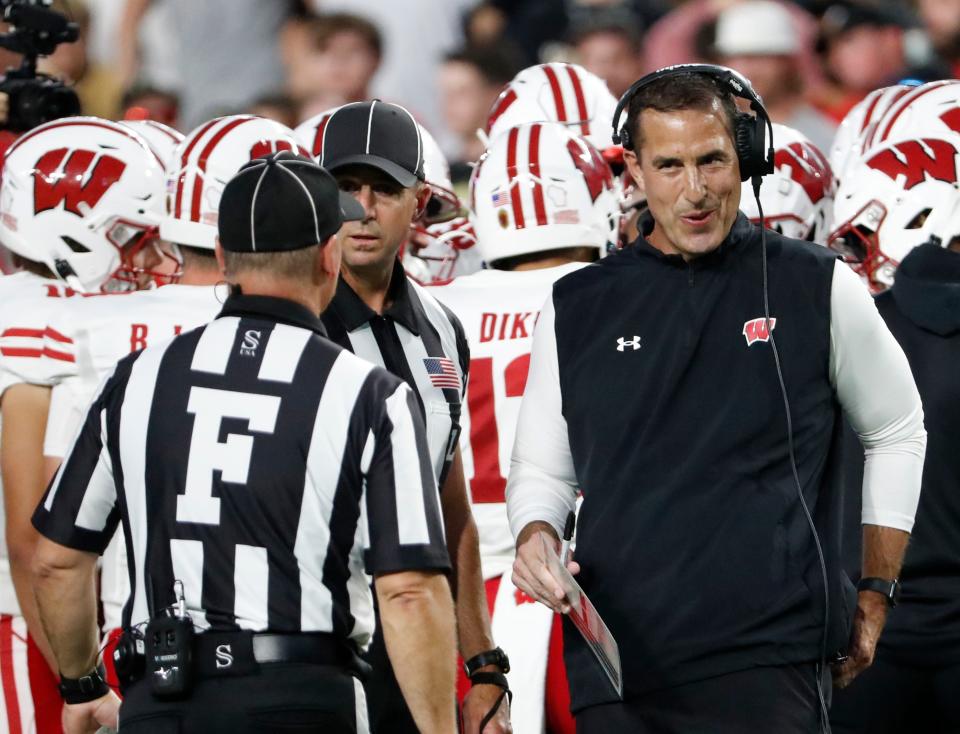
{"x":892,"y":698}
{"x":281,"y":698}
{"x":769,"y":700}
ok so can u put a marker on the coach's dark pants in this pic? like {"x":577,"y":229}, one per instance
{"x":285,"y":698}
{"x":889,"y":698}
{"x":772,"y":700}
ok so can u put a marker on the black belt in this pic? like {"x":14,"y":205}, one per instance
{"x":239,"y":653}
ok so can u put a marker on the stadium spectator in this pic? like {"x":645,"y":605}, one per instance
{"x":468,"y":84}
{"x":941,"y":19}
{"x":332,"y":60}
{"x":609,"y":45}
{"x":862,"y":48}
{"x":277,"y":107}
{"x":227,"y":51}
{"x":768,"y":60}
{"x":150,"y":103}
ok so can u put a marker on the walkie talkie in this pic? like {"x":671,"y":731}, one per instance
{"x":169,"y":649}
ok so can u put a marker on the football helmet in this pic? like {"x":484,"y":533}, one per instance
{"x":442,"y":241}
{"x":564,"y":93}
{"x":858,"y":126}
{"x":203,"y":163}
{"x":162,"y":138}
{"x":81,"y":195}
{"x":310,"y":132}
{"x":797,"y":197}
{"x":540,"y":187}
{"x":930,"y":110}
{"x":899,"y":196}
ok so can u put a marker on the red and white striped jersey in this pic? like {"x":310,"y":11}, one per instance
{"x":26,"y":302}
{"x":498,"y":310}
{"x":100,"y":331}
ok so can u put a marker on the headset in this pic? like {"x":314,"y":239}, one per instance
{"x":750,"y":131}
{"x":753,"y":138}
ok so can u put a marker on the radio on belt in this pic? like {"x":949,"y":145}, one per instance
{"x":169,"y":649}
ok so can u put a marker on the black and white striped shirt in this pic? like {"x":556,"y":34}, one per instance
{"x":263,"y":466}
{"x":418,"y":339}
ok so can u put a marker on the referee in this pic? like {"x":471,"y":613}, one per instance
{"x":258,"y":471}
{"x":375,"y":152}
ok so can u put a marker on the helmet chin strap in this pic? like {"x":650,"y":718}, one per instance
{"x":66,"y":273}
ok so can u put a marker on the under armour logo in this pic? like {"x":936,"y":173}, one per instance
{"x":622,"y":343}
{"x":224,"y":656}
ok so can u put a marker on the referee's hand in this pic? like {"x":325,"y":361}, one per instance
{"x":87,"y":718}
{"x":530,"y":572}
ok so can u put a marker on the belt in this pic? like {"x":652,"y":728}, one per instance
{"x":239,"y":653}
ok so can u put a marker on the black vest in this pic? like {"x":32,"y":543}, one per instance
{"x":922,"y":311}
{"x":692,"y":540}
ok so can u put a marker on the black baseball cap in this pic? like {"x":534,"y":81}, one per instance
{"x":282,"y":202}
{"x":378,"y":134}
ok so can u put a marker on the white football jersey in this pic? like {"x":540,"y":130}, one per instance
{"x":26,"y":302}
{"x":498,"y":310}
{"x":102,"y":330}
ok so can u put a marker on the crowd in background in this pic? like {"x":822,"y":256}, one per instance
{"x":446,"y":60}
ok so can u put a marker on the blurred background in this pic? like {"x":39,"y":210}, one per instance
{"x":184,"y":61}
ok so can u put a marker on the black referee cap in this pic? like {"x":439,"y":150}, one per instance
{"x":282,"y":202}
{"x":377,"y":134}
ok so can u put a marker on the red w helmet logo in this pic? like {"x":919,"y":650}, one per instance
{"x":807,"y":167}
{"x":916,"y":160}
{"x":951,"y":118}
{"x":595,"y":170}
{"x":77,"y":184}
{"x":267,"y":147}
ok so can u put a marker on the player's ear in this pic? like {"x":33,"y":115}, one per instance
{"x":221,"y":262}
{"x":328,"y":257}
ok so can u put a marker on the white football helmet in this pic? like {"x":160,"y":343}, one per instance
{"x":797,"y":197}
{"x":162,"y":138}
{"x":899,"y":196}
{"x":858,"y":126}
{"x":310,"y":132}
{"x":81,"y":195}
{"x":540,"y":187}
{"x":930,"y":110}
{"x":555,"y":92}
{"x":203,"y":163}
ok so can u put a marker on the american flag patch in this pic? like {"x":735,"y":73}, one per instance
{"x":501,"y":198}
{"x":442,"y":372}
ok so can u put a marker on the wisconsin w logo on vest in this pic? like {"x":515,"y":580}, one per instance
{"x":755,"y":330}
{"x":916,"y":160}
{"x":83,"y":178}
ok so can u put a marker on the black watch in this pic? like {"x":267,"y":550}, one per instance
{"x":889,"y":589}
{"x":491,"y":657}
{"x":88,"y":688}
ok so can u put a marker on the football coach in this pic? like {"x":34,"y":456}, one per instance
{"x":691,"y":386}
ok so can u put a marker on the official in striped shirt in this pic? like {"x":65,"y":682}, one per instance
{"x":375,"y":152}
{"x":268,"y":471}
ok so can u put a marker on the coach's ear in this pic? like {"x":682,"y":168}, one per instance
{"x":221,"y":263}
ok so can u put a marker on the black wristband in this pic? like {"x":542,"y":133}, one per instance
{"x":890,"y":590}
{"x":495,"y":656}
{"x":82,"y":690}
{"x":493,"y":679}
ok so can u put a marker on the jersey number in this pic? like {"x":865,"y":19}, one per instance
{"x":208,"y":454}
{"x":488,"y":483}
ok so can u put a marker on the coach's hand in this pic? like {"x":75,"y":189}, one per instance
{"x":530,"y":571}
{"x":867,"y":625}
{"x":478,"y":702}
{"x":87,"y":718}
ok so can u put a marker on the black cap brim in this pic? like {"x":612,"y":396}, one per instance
{"x":399,"y":174}
{"x":350,"y":208}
